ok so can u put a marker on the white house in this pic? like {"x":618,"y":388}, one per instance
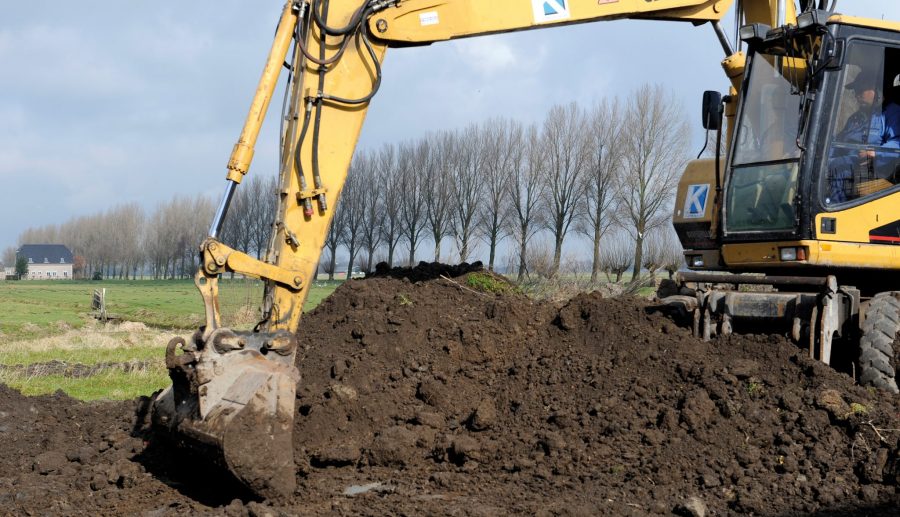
{"x":47,"y":261}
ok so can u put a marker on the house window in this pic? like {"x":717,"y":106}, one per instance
{"x":46,"y":260}
{"x":30,"y":260}
{"x":62,"y":260}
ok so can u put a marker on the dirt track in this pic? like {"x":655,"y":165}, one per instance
{"x":428,"y":398}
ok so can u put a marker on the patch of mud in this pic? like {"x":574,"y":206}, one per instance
{"x":420,"y":397}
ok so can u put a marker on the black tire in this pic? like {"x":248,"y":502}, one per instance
{"x":879,"y":349}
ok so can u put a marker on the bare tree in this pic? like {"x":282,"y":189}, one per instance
{"x":565,"y":135}
{"x":468,"y":186}
{"x":8,"y":258}
{"x":236,"y":232}
{"x":540,"y":260}
{"x":605,"y":151}
{"x":334,"y":238}
{"x":502,"y":141}
{"x":125,"y":232}
{"x":616,"y":256}
{"x":673,"y":253}
{"x":261,"y":204}
{"x":373,"y":210}
{"x":411,"y":158}
{"x":655,"y":139}
{"x":354,"y":209}
{"x":438,"y":188}
{"x":526,"y":190}
{"x":654,"y":252}
{"x":391,"y":202}
{"x":327,"y":264}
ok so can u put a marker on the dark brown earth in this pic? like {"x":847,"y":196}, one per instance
{"x":429,"y":397}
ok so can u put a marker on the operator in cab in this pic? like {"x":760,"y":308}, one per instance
{"x":866,"y":152}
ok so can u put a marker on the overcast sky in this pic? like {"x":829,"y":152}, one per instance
{"x":106,"y":102}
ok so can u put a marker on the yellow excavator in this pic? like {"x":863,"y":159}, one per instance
{"x":791,"y":196}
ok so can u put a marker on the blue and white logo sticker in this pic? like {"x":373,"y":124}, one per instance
{"x":695,"y":201}
{"x":550,"y":10}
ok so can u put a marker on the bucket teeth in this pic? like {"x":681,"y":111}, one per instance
{"x":233,"y":401}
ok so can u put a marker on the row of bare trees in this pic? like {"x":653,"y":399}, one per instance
{"x":607,"y":172}
{"x":611,"y":167}
{"x":126,"y":241}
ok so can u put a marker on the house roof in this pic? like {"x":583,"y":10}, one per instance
{"x":45,"y":253}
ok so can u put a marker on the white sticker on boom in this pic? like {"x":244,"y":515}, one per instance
{"x":429,"y":18}
{"x":550,"y":10}
{"x":695,"y":201}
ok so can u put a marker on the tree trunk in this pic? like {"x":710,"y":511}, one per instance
{"x":352,"y":250}
{"x":638,"y":257}
{"x":522,"y":265}
{"x":492,"y":253}
{"x":595,"y":266}
{"x":557,"y":254}
{"x":333,"y":265}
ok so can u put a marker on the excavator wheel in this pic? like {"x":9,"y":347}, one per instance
{"x":879,"y":347}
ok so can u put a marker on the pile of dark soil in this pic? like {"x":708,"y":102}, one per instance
{"x":422,"y":395}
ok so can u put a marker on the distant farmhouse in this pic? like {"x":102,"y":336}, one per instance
{"x":47,"y":261}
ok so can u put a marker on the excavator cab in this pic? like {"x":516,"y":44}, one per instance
{"x":815,"y":152}
{"x":808,"y":197}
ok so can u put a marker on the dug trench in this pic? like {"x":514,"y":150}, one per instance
{"x":423,"y":392}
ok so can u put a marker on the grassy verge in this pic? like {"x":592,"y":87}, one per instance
{"x":107,"y":385}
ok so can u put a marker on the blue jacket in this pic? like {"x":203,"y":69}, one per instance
{"x":882,"y":130}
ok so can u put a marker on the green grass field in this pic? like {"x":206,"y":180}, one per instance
{"x":38,"y":308}
{"x":46,"y":321}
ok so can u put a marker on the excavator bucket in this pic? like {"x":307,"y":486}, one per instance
{"x":232,"y":402}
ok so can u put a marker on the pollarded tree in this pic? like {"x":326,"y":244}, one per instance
{"x":655,"y":140}
{"x":388,"y":175}
{"x":526,"y":192}
{"x":334,"y":238}
{"x":352,"y":200}
{"x":565,"y":135}
{"x":616,"y":256}
{"x":438,"y":188}
{"x":468,"y":184}
{"x":605,"y":151}
{"x":503,"y":142}
{"x":411,"y":159}
{"x":373,"y":210}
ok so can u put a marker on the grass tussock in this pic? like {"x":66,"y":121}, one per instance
{"x":490,"y":283}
